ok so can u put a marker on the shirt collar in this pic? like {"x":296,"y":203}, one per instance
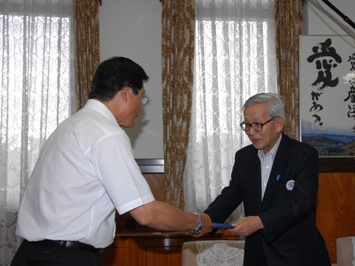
{"x":273,"y":151}
{"x":100,"y":108}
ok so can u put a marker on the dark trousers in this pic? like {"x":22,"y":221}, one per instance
{"x":40,"y":254}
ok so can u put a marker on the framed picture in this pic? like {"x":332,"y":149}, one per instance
{"x":327,"y":98}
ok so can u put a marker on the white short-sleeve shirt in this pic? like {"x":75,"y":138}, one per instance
{"x":85,"y":171}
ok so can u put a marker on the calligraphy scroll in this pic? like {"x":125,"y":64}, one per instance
{"x":327,"y":104}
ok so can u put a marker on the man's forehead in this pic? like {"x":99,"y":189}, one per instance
{"x":256,"y":114}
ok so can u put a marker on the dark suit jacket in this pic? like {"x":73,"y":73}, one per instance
{"x":290,"y":236}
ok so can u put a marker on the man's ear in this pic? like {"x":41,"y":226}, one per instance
{"x":124,"y":93}
{"x":280,"y":122}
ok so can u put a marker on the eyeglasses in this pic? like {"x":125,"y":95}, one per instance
{"x":144,"y":100}
{"x":255,"y":125}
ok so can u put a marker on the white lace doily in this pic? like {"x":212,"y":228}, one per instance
{"x":221,"y":253}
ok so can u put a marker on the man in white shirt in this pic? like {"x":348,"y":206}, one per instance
{"x":86,"y":171}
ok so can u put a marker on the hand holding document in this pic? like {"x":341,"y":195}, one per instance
{"x":222,"y":226}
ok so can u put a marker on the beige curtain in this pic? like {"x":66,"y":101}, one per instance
{"x":178,"y":25}
{"x":87,"y":46}
{"x":288,"y":27}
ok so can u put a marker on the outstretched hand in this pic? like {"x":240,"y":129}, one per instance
{"x":247,"y":226}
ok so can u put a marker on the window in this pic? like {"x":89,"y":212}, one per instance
{"x":234,"y":59}
{"x":36,"y":86}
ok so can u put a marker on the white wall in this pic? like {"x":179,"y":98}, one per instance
{"x":132,"y":28}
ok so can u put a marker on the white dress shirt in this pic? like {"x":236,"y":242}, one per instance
{"x":85,"y":171}
{"x":267,"y":161}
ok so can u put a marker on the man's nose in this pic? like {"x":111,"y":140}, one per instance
{"x":251,"y":131}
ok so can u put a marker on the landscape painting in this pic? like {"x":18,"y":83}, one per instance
{"x":327,"y":94}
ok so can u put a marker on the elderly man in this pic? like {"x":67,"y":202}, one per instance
{"x":276,"y":178}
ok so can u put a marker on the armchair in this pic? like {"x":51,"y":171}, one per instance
{"x":345,"y":251}
{"x":213,"y":252}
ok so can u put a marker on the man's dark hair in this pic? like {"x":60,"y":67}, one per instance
{"x":114,"y":74}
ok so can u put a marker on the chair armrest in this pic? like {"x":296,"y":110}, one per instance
{"x":345,"y":251}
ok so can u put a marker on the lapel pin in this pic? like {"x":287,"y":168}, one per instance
{"x":290,"y":185}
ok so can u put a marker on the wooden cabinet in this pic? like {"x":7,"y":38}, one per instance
{"x":335,"y":212}
{"x":150,"y":248}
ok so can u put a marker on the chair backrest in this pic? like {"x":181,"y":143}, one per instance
{"x":345,"y":251}
{"x":213,"y":252}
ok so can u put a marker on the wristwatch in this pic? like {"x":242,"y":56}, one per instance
{"x":199,"y":227}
